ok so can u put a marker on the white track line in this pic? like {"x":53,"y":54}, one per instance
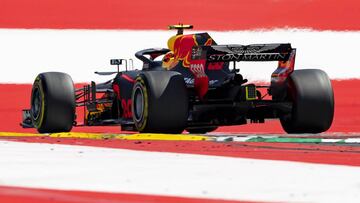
{"x":116,"y":170}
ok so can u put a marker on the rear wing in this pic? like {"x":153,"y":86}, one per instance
{"x":206,"y":58}
{"x":253,"y":52}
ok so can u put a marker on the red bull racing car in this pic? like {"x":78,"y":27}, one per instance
{"x":192,"y":85}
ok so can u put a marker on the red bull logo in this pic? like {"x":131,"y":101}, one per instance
{"x":182,"y":49}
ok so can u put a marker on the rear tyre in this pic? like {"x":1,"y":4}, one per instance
{"x":53,"y":102}
{"x":160,"y":102}
{"x":201,"y":130}
{"x":312,"y":96}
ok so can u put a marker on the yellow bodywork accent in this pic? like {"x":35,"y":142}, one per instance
{"x":248,"y":96}
{"x":137,"y":136}
{"x":13,"y":134}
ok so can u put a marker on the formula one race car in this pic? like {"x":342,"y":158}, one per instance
{"x":194,"y":86}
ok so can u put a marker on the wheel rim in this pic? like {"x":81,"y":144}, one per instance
{"x":36,"y":104}
{"x":138,"y":104}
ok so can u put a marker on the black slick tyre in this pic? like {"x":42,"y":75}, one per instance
{"x":160,"y":102}
{"x":53,"y":102}
{"x":312,"y":96}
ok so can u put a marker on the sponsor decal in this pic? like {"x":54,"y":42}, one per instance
{"x":244,"y":49}
{"x":116,"y":89}
{"x":126,"y":106}
{"x":196,"y":52}
{"x":198,"y":70}
{"x":215,"y":66}
{"x":190,"y":81}
{"x":247,"y":57}
{"x":201,"y":80}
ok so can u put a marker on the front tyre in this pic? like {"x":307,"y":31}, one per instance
{"x":53,"y":102}
{"x":312,"y":96}
{"x":160,"y":102}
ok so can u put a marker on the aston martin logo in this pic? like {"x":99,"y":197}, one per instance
{"x":261,"y":48}
{"x":248,"y":57}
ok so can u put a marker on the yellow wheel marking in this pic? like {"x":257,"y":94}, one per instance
{"x":40,"y":120}
{"x":138,"y":136}
{"x":42,"y":105}
{"x":145,"y":113}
